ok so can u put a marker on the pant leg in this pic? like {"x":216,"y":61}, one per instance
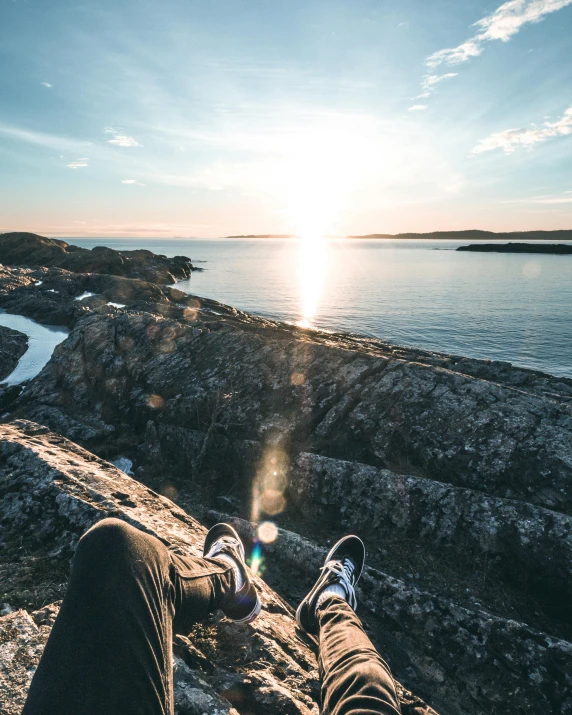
{"x":355,"y":679}
{"x":110,"y":649}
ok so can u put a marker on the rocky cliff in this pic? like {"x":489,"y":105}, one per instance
{"x":13,"y":345}
{"x":456,"y":472}
{"x":29,"y":249}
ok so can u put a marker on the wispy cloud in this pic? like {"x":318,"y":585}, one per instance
{"x":417,"y":108}
{"x":512,"y":139}
{"x":431,"y":81}
{"x":78,"y":164}
{"x":123,"y":140}
{"x":49,"y":141}
{"x":47,"y":84}
{"x":133,"y":181}
{"x":120,"y":138}
{"x":563,"y":198}
{"x":502,"y":24}
{"x":554,"y":200}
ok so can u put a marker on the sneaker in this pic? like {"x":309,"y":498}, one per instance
{"x":342,"y":567}
{"x":243,"y":605}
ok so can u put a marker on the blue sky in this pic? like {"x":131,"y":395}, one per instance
{"x":186,"y":118}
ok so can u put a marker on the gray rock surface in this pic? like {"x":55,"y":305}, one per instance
{"x":29,"y":249}
{"x":459,"y":655}
{"x":54,"y":296}
{"x":13,"y":345}
{"x":21,"y":645}
{"x":524,"y":544}
{"x":51,"y":491}
{"x":457,"y":472}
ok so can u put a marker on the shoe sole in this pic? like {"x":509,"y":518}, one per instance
{"x":252,"y":615}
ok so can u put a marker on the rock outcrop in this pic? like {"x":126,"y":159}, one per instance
{"x":270,"y":384}
{"x":13,"y":345}
{"x":559,"y":249}
{"x":468,"y":656}
{"x":57,"y":297}
{"x":457,"y":472}
{"x":51,"y":491}
{"x":29,"y":249}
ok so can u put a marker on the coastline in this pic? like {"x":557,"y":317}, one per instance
{"x":466,"y":235}
{"x":440,"y":462}
{"x":555,"y":249}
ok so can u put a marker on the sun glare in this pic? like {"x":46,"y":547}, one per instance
{"x":313,"y":257}
{"x":322,"y":164}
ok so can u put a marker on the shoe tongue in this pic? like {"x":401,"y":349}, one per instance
{"x":348,"y":566}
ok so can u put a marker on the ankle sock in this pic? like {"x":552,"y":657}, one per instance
{"x":333,"y":589}
{"x":238,"y":577}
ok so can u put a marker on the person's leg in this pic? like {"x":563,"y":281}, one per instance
{"x":355,"y":680}
{"x":109,"y":651}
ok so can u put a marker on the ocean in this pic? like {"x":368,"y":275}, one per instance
{"x":511,"y":307}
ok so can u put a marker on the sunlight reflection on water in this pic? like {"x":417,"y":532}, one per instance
{"x":313,"y":256}
{"x":418,"y":292}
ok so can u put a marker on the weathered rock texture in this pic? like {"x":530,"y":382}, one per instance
{"x":54,"y":296}
{"x":529,"y":546}
{"x":457,"y":472}
{"x":29,"y":249}
{"x":13,"y":345}
{"x":265,"y":382}
{"x":51,"y":492}
{"x":458,"y":654}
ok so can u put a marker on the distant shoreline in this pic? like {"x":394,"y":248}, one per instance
{"x":552,"y":248}
{"x":468,"y":235}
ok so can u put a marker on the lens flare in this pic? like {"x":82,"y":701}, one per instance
{"x":256,"y":561}
{"x":272,"y":501}
{"x":156,"y":402}
{"x":269,"y":486}
{"x":267,"y":532}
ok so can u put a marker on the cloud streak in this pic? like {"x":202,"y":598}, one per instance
{"x":505,"y":22}
{"x":133,"y":181}
{"x":502,"y":24}
{"x":123,"y":140}
{"x":48,"y":141}
{"x":564,"y":198}
{"x":431,"y":81}
{"x":78,"y":164}
{"x":120,"y":138}
{"x":512,"y":139}
{"x":47,"y":84}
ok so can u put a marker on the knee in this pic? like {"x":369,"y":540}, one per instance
{"x":362,"y":667}
{"x":109,"y":540}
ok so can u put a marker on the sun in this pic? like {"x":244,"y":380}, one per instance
{"x":321,"y":165}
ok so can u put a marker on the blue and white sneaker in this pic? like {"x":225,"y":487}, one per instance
{"x":243,"y":605}
{"x":342,"y":569}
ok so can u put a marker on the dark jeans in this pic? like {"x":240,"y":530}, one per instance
{"x":110,"y":650}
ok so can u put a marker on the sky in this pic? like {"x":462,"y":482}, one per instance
{"x":193,"y":118}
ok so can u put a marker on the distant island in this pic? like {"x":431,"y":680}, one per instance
{"x":556,"y":248}
{"x":263,"y":235}
{"x":469,"y":235}
{"x":475,"y":234}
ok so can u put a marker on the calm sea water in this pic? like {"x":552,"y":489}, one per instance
{"x":420,"y":293}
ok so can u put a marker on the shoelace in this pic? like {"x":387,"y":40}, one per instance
{"x":225,"y":544}
{"x":344,"y":571}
